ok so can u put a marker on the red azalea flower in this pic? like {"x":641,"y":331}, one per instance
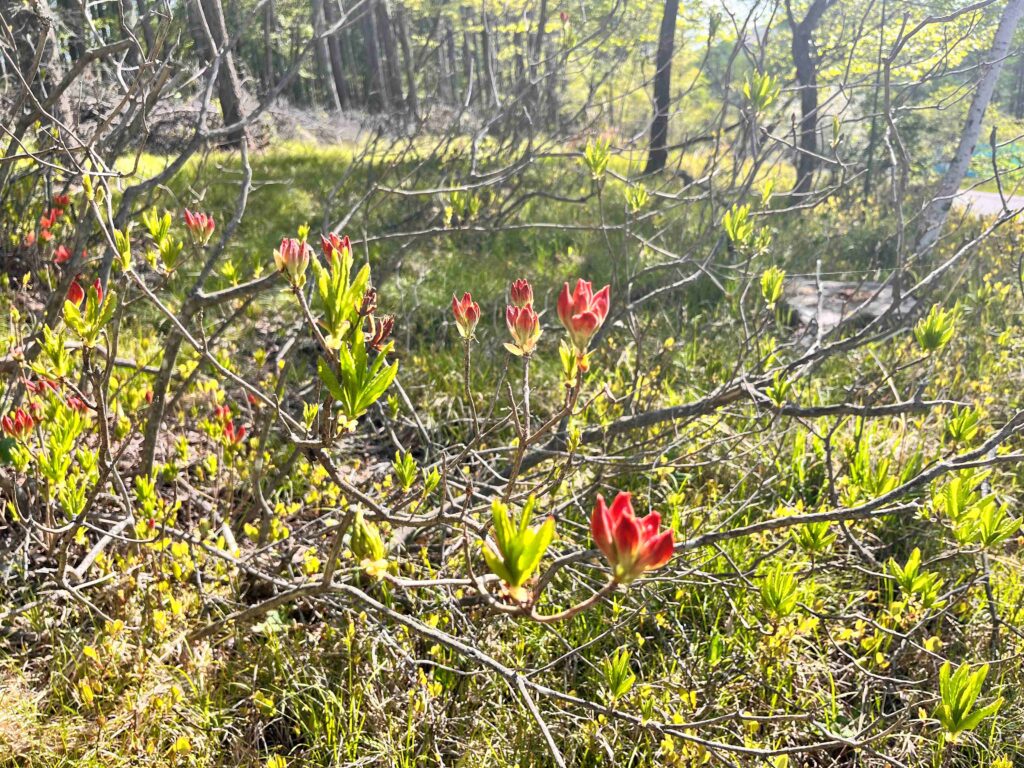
{"x":582,"y":312}
{"x":524,"y":325}
{"x":467,"y":314}
{"x":333,"y":243}
{"x":632,"y":545}
{"x":521,"y":293}
{"x":62,"y":254}
{"x":62,"y":201}
{"x":45,"y":235}
{"x":222,"y":413}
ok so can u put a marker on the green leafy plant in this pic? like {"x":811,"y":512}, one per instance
{"x":404,"y":467}
{"x":912,"y":581}
{"x":595,"y":156}
{"x":359,"y":382}
{"x":772,"y":282}
{"x":618,"y":677}
{"x":518,"y":548}
{"x":778,"y":589}
{"x":936,"y":330}
{"x":959,"y":691}
{"x":761,"y":90}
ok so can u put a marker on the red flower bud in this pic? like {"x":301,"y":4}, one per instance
{"x":521,"y":293}
{"x":75,"y":292}
{"x":18,"y":425}
{"x":200,"y":226}
{"x":61,"y":201}
{"x":98,"y":287}
{"x":631,"y":545}
{"x":467,"y":314}
{"x":524,"y":325}
{"x":582,"y":312}
{"x":149,"y":396}
{"x":293,"y":257}
{"x":77,"y":404}
{"x":234,"y":434}
{"x":333,"y":243}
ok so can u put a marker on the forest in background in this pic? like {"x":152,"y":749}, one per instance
{"x":322,"y":442}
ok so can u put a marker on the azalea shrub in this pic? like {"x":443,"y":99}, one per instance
{"x":278,"y":503}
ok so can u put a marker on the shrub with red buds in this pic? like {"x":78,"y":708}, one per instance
{"x":222,"y":413}
{"x":292,"y":257}
{"x":632,"y":545}
{"x":467,"y":314}
{"x":18,"y":425}
{"x":582,"y":312}
{"x":521,"y":293}
{"x":333,"y":243}
{"x":200,"y":226}
{"x":524,"y":325}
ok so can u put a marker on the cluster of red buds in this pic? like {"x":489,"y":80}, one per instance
{"x":467,"y":314}
{"x":18,"y":425}
{"x":631,"y":545}
{"x":49,"y":220}
{"x":334,"y":242}
{"x":581,"y":311}
{"x":234,"y":434}
{"x":76,"y":293}
{"x":292,"y":257}
{"x":41,"y":386}
{"x":200,"y":226}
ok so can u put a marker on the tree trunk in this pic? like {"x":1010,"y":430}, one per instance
{"x":934,"y":214}
{"x":323,"y":57}
{"x":334,"y":52}
{"x":229,"y":88}
{"x":377,"y":95}
{"x":411,"y":100}
{"x":268,"y":46}
{"x":657,"y":154}
{"x":807,"y":77}
{"x":386,"y":33}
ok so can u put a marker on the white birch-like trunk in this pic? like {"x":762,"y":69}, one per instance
{"x":934,"y":214}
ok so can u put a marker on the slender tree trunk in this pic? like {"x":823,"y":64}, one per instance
{"x":334,"y":52}
{"x":657,"y":154}
{"x":268,"y":46}
{"x":229,"y":87}
{"x":386,"y":33}
{"x":934,"y":214}
{"x":377,"y":95}
{"x":488,"y":56}
{"x":323,"y":57}
{"x":807,"y":76}
{"x":453,"y":62}
{"x":411,"y":99}
{"x":147,"y":27}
